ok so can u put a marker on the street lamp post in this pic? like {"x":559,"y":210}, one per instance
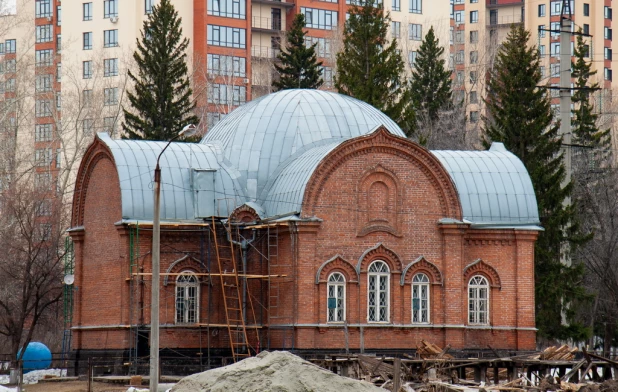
{"x":189,"y":130}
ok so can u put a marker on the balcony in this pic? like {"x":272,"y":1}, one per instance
{"x":284,"y":4}
{"x":265,"y":25}
{"x":265,"y":52}
{"x":504,"y":21}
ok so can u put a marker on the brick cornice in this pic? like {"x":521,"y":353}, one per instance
{"x":382,"y":141}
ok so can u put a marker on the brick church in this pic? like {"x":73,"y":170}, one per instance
{"x":306,"y":221}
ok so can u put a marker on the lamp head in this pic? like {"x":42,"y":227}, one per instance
{"x":188,"y":130}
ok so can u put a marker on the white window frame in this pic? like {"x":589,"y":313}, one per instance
{"x":379,"y":271}
{"x":184,"y":282}
{"x":335,"y":288}
{"x":478,"y":306}
{"x":421,"y":282}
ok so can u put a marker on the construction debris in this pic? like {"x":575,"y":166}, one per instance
{"x":553,"y":353}
{"x":428,"y":350}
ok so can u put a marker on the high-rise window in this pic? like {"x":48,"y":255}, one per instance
{"x":412,"y":58}
{"x":59,"y":15}
{"x":110,"y":8}
{"x":608,"y":53}
{"x":608,"y":33}
{"x":44,"y":83}
{"x":43,"y":132}
{"x":230,"y":37}
{"x":227,"y":95}
{"x":148,"y":4}
{"x":110,"y":96}
{"x":227,"y":65}
{"x":87,"y":40}
{"x":42,"y":108}
{"x":227,"y":8}
{"x":396,"y":29}
{"x":608,"y":12}
{"x":542,"y":10}
{"x":44,"y":33}
{"x":43,"y":8}
{"x":110,"y":67}
{"x":319,"y":19}
{"x":44,"y":58}
{"x":474,"y":16}
{"x":474,"y":36}
{"x":10,"y":46}
{"x":110,"y":38}
{"x":87,"y":11}
{"x":415,"y":32}
{"x":586,"y":9}
{"x":396,"y":5}
{"x":416,"y":6}
{"x":87,"y":69}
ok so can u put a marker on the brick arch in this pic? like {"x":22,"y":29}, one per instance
{"x":379,"y":252}
{"x":339,"y":264}
{"x":182,"y":264}
{"x":479,"y":267}
{"x":96,"y":152}
{"x":421,"y":264}
{"x":245,"y":213}
{"x":382,"y":141}
{"x":368,"y":220}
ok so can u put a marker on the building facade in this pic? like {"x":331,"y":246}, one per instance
{"x":479,"y":27}
{"x":350,"y":237}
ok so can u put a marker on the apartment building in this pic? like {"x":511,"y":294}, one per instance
{"x":30,"y":100}
{"x":234,"y":45}
{"x":480,"y":26}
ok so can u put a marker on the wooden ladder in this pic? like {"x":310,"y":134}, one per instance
{"x":232,"y":301}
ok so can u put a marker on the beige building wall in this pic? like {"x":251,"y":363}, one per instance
{"x":412,"y":19}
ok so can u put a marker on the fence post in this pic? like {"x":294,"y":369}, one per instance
{"x":20,"y":366}
{"x":89,"y":373}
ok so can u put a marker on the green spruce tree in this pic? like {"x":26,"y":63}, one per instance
{"x":299,"y":65}
{"x":370,"y":68}
{"x":161,"y":103}
{"x":584,"y":124}
{"x":519,"y":114}
{"x":430,"y":87}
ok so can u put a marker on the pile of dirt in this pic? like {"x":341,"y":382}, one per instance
{"x":277,"y":371}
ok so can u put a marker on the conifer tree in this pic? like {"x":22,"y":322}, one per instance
{"x":161,"y":103}
{"x":370,"y":68}
{"x":584,"y":127}
{"x":519,"y":114}
{"x":431,"y":85}
{"x":299,"y":65}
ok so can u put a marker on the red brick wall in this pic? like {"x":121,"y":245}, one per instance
{"x":396,"y":221}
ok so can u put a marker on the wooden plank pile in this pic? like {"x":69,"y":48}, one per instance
{"x":427,"y":350}
{"x":553,"y":353}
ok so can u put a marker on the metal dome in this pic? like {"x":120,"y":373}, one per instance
{"x":259,"y":136}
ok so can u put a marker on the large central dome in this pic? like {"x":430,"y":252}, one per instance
{"x":259,"y":137}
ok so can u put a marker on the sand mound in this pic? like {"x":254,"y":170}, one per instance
{"x":277,"y":371}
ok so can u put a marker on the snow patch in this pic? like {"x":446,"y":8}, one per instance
{"x":34,"y":376}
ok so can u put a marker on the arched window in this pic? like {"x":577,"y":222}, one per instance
{"x":187,"y":298}
{"x":478,"y":300}
{"x":336,"y":298}
{"x":378,"y":288}
{"x":420,"y":299}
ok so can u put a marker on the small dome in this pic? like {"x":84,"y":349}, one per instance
{"x":259,"y":136}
